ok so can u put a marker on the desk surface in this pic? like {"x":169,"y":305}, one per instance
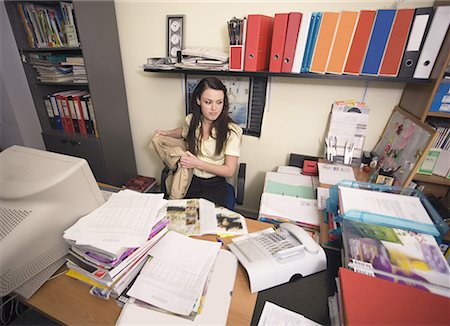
{"x":68,"y":301}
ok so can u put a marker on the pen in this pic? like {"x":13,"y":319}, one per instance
{"x":222,"y":243}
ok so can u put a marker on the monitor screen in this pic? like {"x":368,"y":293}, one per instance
{"x":41,"y":194}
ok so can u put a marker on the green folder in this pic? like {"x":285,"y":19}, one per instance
{"x":289,"y":190}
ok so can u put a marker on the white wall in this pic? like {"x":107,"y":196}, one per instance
{"x":19,"y":124}
{"x":295,"y":118}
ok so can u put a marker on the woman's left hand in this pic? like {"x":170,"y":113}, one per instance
{"x":189,"y":160}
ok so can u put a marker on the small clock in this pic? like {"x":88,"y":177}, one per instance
{"x":174,"y":35}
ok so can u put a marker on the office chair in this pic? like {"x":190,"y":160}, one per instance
{"x":234,"y":196}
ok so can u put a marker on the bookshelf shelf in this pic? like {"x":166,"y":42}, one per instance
{"x":432,"y":179}
{"x":62,"y":84}
{"x":111,"y":154}
{"x":51,"y":49}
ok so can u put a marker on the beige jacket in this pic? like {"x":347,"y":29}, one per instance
{"x":170,"y":151}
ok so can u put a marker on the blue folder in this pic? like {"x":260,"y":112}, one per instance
{"x":378,"y":40}
{"x":316,"y":18}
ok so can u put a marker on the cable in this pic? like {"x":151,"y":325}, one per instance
{"x":2,"y":320}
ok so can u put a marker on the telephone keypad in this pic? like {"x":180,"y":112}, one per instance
{"x":274,"y":242}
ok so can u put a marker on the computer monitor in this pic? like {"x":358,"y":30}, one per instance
{"x":41,"y":195}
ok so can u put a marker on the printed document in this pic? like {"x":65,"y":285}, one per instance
{"x":331,"y":174}
{"x":125,"y":220}
{"x":175,"y":276}
{"x":273,"y":314}
{"x":376,"y":202}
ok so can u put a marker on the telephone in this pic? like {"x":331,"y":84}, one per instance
{"x":271,"y":257}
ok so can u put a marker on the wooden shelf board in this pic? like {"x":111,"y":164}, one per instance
{"x":432,"y":179}
{"x":439,"y":114}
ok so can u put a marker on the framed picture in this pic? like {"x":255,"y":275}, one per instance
{"x":238,"y":89}
{"x":382,"y":179}
{"x":175,"y":29}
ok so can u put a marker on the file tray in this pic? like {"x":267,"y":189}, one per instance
{"x":439,"y":229}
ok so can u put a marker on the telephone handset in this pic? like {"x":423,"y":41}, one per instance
{"x":309,"y":244}
{"x":271,"y":257}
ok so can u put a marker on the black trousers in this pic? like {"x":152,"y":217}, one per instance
{"x":214,"y":189}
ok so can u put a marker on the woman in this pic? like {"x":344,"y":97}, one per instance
{"x":213,"y":141}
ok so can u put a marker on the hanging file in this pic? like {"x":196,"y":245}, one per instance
{"x":397,"y":42}
{"x":433,"y":42}
{"x":359,"y":44}
{"x":378,"y":40}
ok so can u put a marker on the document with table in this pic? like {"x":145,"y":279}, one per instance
{"x":216,"y":302}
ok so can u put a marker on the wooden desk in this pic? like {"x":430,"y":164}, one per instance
{"x":68,"y":301}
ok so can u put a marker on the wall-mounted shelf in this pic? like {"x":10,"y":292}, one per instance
{"x":290,"y":75}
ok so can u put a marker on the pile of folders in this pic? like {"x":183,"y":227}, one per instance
{"x":385,"y":42}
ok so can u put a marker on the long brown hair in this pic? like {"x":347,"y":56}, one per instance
{"x":220,"y":124}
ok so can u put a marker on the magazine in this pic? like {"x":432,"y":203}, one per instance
{"x":402,"y":256}
{"x":200,"y":216}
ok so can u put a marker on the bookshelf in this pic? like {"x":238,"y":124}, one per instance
{"x":110,"y":153}
{"x":417,"y":100}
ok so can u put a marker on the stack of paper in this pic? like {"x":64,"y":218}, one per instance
{"x":394,"y":210}
{"x":331,"y":174}
{"x":176,"y":277}
{"x":216,"y":301}
{"x":290,"y":197}
{"x":279,"y":208}
{"x":109,"y":246}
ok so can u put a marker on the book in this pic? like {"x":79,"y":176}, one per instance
{"x":140,"y":183}
{"x":441,"y":101}
{"x":429,"y":162}
{"x":200,"y":216}
{"x":370,"y":300}
{"x":398,"y":255}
